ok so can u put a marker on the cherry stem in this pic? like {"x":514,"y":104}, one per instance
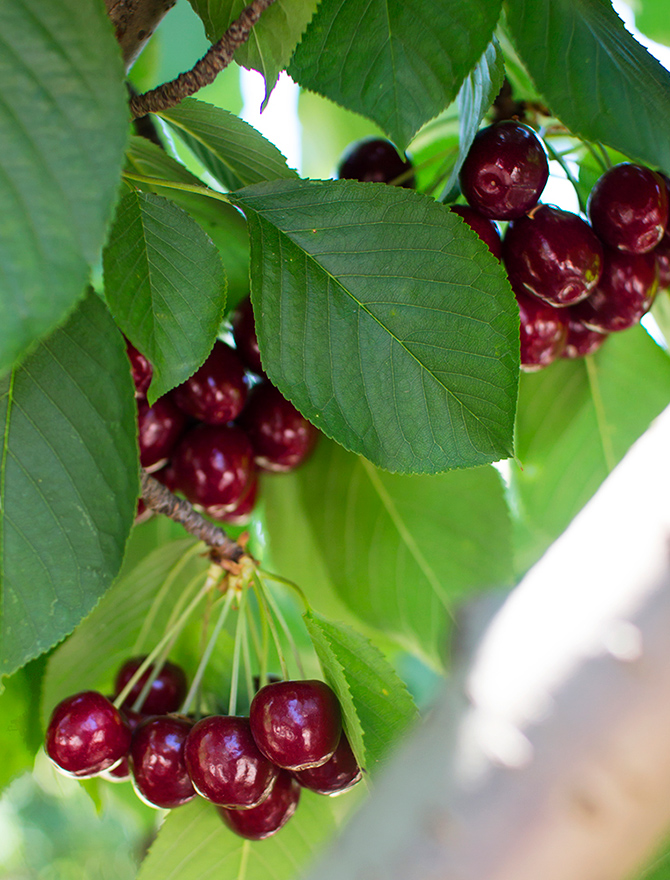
{"x":600,"y":156}
{"x":246,"y":656}
{"x":261,"y":651}
{"x":264,"y":609}
{"x":287,"y":583}
{"x":570,"y":176}
{"x":183,"y":187}
{"x":274,"y":607}
{"x":235,"y":673}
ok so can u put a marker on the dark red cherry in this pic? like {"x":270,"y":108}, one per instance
{"x":270,"y":815}
{"x":121,"y":772}
{"x":280,"y":436}
{"x":244,"y":332}
{"x":628,"y":208}
{"x":167,"y":477}
{"x":505,"y":171}
{"x":167,"y":690}
{"x":241,"y":513}
{"x":160,"y":426}
{"x":543,"y":331}
{"x":376,"y":160}
{"x":225,"y":765}
{"x":554,"y":255}
{"x":214,"y":466}
{"x":86,"y":735}
{"x":662,"y":254}
{"x":581,"y":340}
{"x":337,"y":775}
{"x":160,"y":777}
{"x":141,"y":369}
{"x":296,"y":724}
{"x":625,"y":292}
{"x":215,"y":393}
{"x":485,"y":228}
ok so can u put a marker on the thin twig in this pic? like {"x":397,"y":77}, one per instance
{"x":205,"y":71}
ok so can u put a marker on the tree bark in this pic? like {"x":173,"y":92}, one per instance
{"x":134,"y":22}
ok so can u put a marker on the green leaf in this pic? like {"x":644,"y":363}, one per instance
{"x":63,"y":120}
{"x":272,"y":40}
{"x":596,"y":77}
{"x":165,"y":286}
{"x":68,"y":481}
{"x":576,"y":420}
{"x":398,"y":62}
{"x":651,"y":17}
{"x":193,"y":843}
{"x":401,"y":550}
{"x":21,"y":730}
{"x":223,"y":223}
{"x":385,"y":320}
{"x":230,"y":149}
{"x":377,"y":707}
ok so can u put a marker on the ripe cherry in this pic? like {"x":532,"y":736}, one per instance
{"x":215,"y":393}
{"x":167,"y":690}
{"x":270,"y":815}
{"x":554,"y":255}
{"x":121,"y":772}
{"x":141,"y":369}
{"x":280,"y":436}
{"x":224,"y":762}
{"x":485,"y":228}
{"x":375,"y":159}
{"x":505,"y":171}
{"x":296,"y":724}
{"x":160,"y":777}
{"x":543,"y":331}
{"x":581,"y":341}
{"x":241,"y":513}
{"x":86,"y":735}
{"x":337,"y":775}
{"x":244,"y":332}
{"x":159,"y":426}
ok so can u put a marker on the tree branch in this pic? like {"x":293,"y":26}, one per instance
{"x":205,"y":71}
{"x":159,"y":499}
{"x":134,"y":22}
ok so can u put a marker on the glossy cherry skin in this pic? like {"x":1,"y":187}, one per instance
{"x":86,"y":735}
{"x":244,"y":333}
{"x":296,"y":724}
{"x":159,"y":428}
{"x":628,"y":208}
{"x":505,"y":171}
{"x":376,"y":160}
{"x":216,"y":393}
{"x":553,"y":255}
{"x":662,"y":254}
{"x":270,"y":815}
{"x":543,"y":332}
{"x":214,"y":466}
{"x":160,"y":777}
{"x":280,"y":436}
{"x":167,"y":690}
{"x":121,"y":772}
{"x":485,"y":228}
{"x":141,"y":369}
{"x":581,"y":340}
{"x":225,"y":765}
{"x":241,"y":513}
{"x":337,"y":775}
{"x":625,"y":292}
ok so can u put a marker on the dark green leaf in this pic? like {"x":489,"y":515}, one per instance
{"x":230,"y":149}
{"x":20,"y":730}
{"x":401,"y":550}
{"x":165,"y":286}
{"x":69,"y":481}
{"x":63,"y":120}
{"x":596,"y":77}
{"x":398,"y":62}
{"x":385,"y":320}
{"x":576,"y":420}
{"x":377,"y":706}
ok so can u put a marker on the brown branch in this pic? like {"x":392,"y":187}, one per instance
{"x":205,"y":71}
{"x":134,"y":22}
{"x":157,"y":497}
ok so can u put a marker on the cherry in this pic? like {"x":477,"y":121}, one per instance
{"x":167,"y":690}
{"x":141,"y":369}
{"x":215,"y":393}
{"x":505,"y":171}
{"x":296,"y":724}
{"x":543,"y":331}
{"x":581,"y":340}
{"x":280,"y":436}
{"x":485,"y":228}
{"x":160,"y":426}
{"x":121,"y":772}
{"x":241,"y":513}
{"x":214,"y":466}
{"x":270,"y":815}
{"x":375,"y":160}
{"x":224,"y":762}
{"x":662,"y":254}
{"x":160,"y":777}
{"x":244,"y":333}
{"x":554,"y":255}
{"x":86,"y":735}
{"x":337,"y":775}
{"x":625,"y":292}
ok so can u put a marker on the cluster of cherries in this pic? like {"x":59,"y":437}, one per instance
{"x":575,"y":281}
{"x":253,"y":768}
{"x":208,"y":437}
